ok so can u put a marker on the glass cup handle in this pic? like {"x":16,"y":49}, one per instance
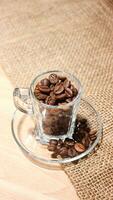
{"x":22,"y":100}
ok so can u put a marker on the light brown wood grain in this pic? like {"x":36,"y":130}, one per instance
{"x":20,"y":179}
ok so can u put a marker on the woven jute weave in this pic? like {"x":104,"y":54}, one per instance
{"x":75,"y":36}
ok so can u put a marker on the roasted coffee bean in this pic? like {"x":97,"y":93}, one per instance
{"x":53,"y":141}
{"x":45,"y":82}
{"x":79,"y":147}
{"x":93,"y":132}
{"x":86,"y":141}
{"x":44,"y":89}
{"x":62,"y":78}
{"x":75,"y":91}
{"x":59,"y":88}
{"x":51,"y":147}
{"x":69,"y":142}
{"x":61,"y":96}
{"x":72,"y":152}
{"x":93,"y":137}
{"x":54,"y":155}
{"x":66,"y":83}
{"x":50,"y":101}
{"x":68,"y":92}
{"x":53,"y":78}
{"x":63,"y":152}
{"x":41,"y":96}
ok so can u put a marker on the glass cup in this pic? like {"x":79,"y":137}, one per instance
{"x":52,"y":122}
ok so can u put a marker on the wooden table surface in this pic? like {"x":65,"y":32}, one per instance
{"x":20,"y":179}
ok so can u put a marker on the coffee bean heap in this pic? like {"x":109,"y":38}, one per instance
{"x":83,"y":137}
{"x":55,"y":90}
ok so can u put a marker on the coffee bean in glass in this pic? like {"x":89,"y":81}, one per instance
{"x":44,"y":89}
{"x":53,"y":78}
{"x":45,"y":82}
{"x":56,"y":91}
{"x":59,"y":88}
{"x":66,"y":83}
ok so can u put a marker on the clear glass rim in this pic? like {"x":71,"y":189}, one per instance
{"x":60,"y":161}
{"x":75,"y":100}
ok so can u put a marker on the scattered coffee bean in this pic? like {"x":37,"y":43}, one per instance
{"x":79,"y":147}
{"x":72,"y":147}
{"x":54,"y":155}
{"x":69,"y":142}
{"x":72,"y":152}
{"x":93,"y":137}
{"x":53,"y":141}
{"x":52,"y":147}
{"x":63,"y":152}
{"x":93,"y":132}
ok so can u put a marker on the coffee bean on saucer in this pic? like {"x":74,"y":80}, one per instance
{"x":54,"y":155}
{"x":66,"y":83}
{"x":69,"y":142}
{"x":51,"y":147}
{"x":86,"y":141}
{"x":59,"y":88}
{"x":45,"y":82}
{"x":44,"y":88}
{"x":53,"y":141}
{"x":93,"y":132}
{"x":93,"y":135}
{"x":79,"y":147}
{"x":68,"y":92}
{"x":72,"y":152}
{"x":53,"y":78}
{"x":63,"y":152}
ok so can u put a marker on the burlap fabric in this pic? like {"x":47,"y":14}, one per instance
{"x":76,"y":36}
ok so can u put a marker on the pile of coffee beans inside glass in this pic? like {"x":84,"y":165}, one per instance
{"x":82,"y":138}
{"x":55,"y":90}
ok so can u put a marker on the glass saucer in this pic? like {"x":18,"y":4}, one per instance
{"x":23,"y":127}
